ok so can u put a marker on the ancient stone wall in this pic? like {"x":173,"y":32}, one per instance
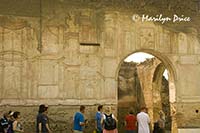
{"x":42,"y":61}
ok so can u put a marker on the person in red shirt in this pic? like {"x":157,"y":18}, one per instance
{"x":130,"y":122}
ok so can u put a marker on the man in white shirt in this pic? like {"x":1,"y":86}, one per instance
{"x":143,"y":121}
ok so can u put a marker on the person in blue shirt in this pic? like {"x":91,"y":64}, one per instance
{"x":79,"y":120}
{"x":98,"y":118}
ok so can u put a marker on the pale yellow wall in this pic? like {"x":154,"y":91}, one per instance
{"x":67,"y":73}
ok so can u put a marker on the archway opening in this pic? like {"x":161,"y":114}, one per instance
{"x":143,"y":80}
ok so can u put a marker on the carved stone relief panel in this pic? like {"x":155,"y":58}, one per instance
{"x":110,"y":86}
{"x":33,"y":75}
{"x":13,"y":76}
{"x":25,"y":89}
{"x":71,"y":22}
{"x":109,"y":30}
{"x":164,"y":44}
{"x":88,"y":31}
{"x":22,"y":41}
{"x":17,"y":42}
{"x":182,"y":43}
{"x":48,"y":79}
{"x":109,"y":43}
{"x":11,"y":81}
{"x":88,"y":88}
{"x":50,"y":39}
{"x":17,"y":35}
{"x":88,"y":34}
{"x":190,"y":88}
{"x":108,"y":37}
{"x":87,"y":73}
{"x":48,"y":91}
{"x":147,"y":37}
{"x":71,"y":42}
{"x":71,"y":82}
{"x":129,"y":41}
{"x":48,"y":73}
{"x":194,"y":44}
{"x":90,"y":77}
{"x":13,"y":58}
{"x":72,"y":58}
{"x":110,"y":19}
{"x":71,"y":49}
{"x":91,"y":61}
{"x":109,"y":67}
{"x":126,"y":40}
{"x":8,"y":40}
{"x":84,"y":33}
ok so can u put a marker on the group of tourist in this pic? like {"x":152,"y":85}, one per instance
{"x":10,"y":123}
{"x":105,"y":121}
{"x":131,"y":121}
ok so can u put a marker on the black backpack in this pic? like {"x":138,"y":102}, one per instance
{"x":109,"y":122}
{"x":3,"y":124}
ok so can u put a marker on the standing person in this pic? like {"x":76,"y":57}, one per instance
{"x":161,"y":121}
{"x":159,"y":125}
{"x":130,"y":122}
{"x":39,"y":118}
{"x":143,"y":121}
{"x":10,"y":122}
{"x":4,"y":123}
{"x":98,"y":118}
{"x":109,"y":121}
{"x":79,"y":121}
{"x":42,"y":120}
{"x":17,"y":126}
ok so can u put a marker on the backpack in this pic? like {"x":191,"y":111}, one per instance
{"x":3,"y":124}
{"x":109,"y":122}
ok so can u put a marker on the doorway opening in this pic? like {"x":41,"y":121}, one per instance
{"x":143,"y":80}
